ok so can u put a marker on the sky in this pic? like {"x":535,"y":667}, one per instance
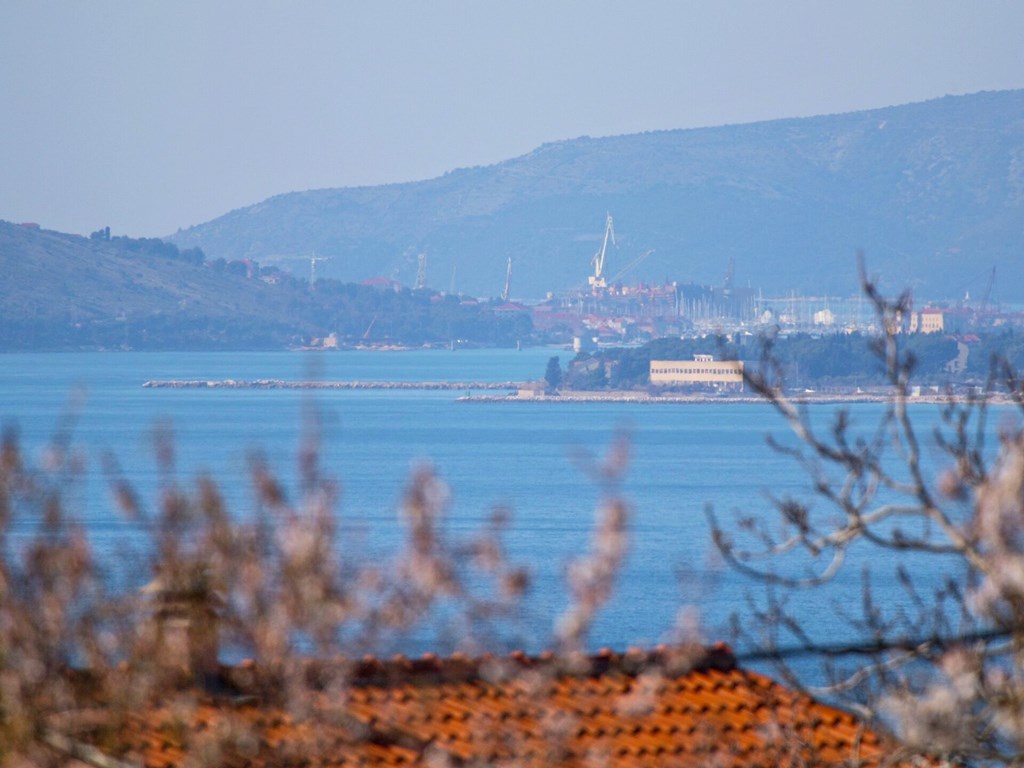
{"x":148,"y":116}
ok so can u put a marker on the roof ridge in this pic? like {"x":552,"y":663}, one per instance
{"x":430,"y":668}
{"x":685,"y":703}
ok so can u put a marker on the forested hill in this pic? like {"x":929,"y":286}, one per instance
{"x":934,"y":192}
{"x":63,"y":291}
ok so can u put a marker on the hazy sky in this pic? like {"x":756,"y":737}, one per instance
{"x":147,"y":116}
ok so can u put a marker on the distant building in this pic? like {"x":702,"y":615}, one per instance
{"x":824,"y":317}
{"x":927,"y":321}
{"x":583,"y":343}
{"x":510,"y":310}
{"x":702,"y":371}
{"x":383,"y":284}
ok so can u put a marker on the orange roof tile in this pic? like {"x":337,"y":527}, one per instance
{"x":664,"y":707}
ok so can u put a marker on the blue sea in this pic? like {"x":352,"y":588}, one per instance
{"x":535,"y":459}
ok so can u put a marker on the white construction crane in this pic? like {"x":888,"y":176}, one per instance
{"x":597,"y":279}
{"x":508,"y":281}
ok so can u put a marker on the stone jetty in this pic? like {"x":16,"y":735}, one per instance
{"x":285,"y":384}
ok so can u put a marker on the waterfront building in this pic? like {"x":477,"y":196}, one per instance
{"x":702,"y":371}
{"x":927,"y":321}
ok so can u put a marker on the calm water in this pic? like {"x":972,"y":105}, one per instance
{"x":526,"y":456}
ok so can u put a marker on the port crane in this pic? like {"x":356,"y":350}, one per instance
{"x":508,"y":281}
{"x":597,"y":279}
{"x":985,"y":306}
{"x":634,"y":263}
{"x":366,"y":333}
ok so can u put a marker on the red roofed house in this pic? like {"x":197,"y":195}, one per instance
{"x":680,"y":706}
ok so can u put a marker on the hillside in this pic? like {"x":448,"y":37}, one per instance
{"x":66,"y":291}
{"x":63,"y":291}
{"x":934,"y":192}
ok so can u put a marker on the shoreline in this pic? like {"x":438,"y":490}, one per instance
{"x":526,"y":392}
{"x":640,"y":398}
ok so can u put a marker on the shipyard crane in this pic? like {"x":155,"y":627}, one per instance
{"x":634,"y":263}
{"x":366,"y":333}
{"x":597,"y":279}
{"x":508,"y":281}
{"x":988,"y":290}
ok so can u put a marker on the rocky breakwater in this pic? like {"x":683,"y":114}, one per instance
{"x":285,"y":384}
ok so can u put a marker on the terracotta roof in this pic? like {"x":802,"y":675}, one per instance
{"x":670,"y":706}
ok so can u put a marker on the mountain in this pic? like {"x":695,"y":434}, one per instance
{"x":933,"y":192}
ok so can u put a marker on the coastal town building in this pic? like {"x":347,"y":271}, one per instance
{"x":680,"y":705}
{"x":683,"y":705}
{"x":824,"y":317}
{"x":703,"y":371}
{"x":927,"y":321}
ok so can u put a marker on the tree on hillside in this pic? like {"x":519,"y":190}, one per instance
{"x":946,"y":666}
{"x":553,"y":373}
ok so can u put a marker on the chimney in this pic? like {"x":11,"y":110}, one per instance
{"x":185,"y":632}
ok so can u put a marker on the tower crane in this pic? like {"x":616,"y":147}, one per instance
{"x":597,"y":279}
{"x":508,"y":281}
